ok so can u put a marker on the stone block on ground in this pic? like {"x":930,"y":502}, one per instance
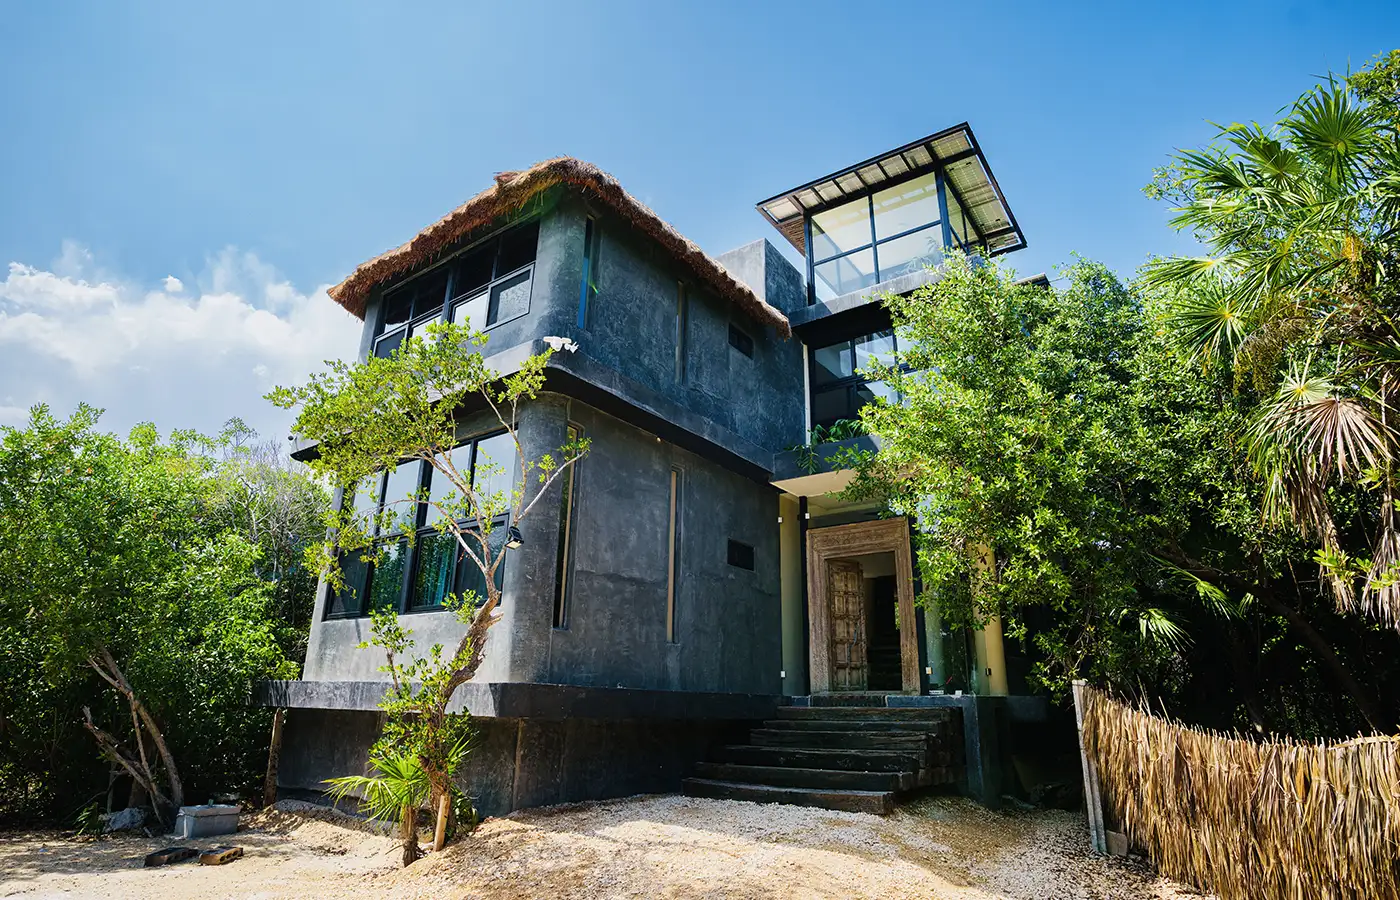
{"x":170,"y":855}
{"x":206,"y":821}
{"x":220,"y":855}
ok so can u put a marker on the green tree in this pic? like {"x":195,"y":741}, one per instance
{"x":1297,"y":296}
{"x":274,"y":503}
{"x":1059,"y":435}
{"x":371,"y":416}
{"x":122,"y":597}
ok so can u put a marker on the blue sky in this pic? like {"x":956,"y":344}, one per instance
{"x":254,"y":153}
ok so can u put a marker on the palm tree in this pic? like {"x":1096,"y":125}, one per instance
{"x":393,"y":795}
{"x":1297,"y":294}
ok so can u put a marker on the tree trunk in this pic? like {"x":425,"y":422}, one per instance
{"x":1246,"y":680}
{"x":274,"y":754}
{"x":408,"y":831}
{"x":444,"y":809}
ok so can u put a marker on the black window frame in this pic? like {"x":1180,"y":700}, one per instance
{"x":568,"y":530}
{"x":949,"y":238}
{"x":451,"y":298}
{"x":846,"y":384}
{"x":421,"y":529}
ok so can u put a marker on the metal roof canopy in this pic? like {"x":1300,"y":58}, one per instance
{"x":954,"y":150}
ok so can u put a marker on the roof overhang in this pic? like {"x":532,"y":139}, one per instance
{"x":954,"y":150}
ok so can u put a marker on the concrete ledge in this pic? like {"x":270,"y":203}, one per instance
{"x":530,"y":701}
{"x":901,"y":285}
{"x":787,"y":465}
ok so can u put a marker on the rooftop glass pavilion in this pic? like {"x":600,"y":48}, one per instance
{"x":895,"y":213}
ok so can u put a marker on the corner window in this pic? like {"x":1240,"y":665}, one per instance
{"x":839,"y":387}
{"x":487,"y":285}
{"x":411,"y":305}
{"x":491,"y":283}
{"x":888,"y":233}
{"x":419,"y":577}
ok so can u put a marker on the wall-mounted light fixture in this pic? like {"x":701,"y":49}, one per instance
{"x":514,"y":539}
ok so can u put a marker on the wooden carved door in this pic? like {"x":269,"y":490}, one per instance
{"x":846,"y":592}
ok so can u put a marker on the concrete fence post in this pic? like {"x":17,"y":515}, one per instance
{"x":1093,"y":800}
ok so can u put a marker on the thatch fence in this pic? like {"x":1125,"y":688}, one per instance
{"x":1250,"y":819}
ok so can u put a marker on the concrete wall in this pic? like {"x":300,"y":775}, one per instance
{"x":517,"y":763}
{"x":728,"y":619}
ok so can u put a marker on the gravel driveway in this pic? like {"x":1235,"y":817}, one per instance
{"x":656,"y":846}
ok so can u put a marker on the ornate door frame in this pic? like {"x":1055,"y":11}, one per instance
{"x":880,"y":536}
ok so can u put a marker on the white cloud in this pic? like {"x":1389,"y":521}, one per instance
{"x":178,"y":357}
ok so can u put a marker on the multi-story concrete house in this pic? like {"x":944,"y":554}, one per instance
{"x":696,"y":571}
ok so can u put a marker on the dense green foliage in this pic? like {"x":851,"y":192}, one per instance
{"x":121,"y":563}
{"x":1186,"y":486}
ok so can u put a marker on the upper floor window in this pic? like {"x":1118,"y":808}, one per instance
{"x":482,"y":287}
{"x":839,"y":387}
{"x":878,"y":237}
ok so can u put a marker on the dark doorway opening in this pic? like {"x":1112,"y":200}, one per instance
{"x":885,"y":671}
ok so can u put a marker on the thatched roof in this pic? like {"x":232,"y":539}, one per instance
{"x":509,"y":193}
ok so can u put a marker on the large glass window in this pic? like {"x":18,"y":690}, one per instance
{"x":882,"y":236}
{"x":487,"y":284}
{"x":420,"y":576}
{"x":841,"y":230}
{"x":840,"y":385}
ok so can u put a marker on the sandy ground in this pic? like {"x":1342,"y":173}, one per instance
{"x":659,"y":846}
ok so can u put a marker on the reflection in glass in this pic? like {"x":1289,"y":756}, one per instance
{"x":877,"y":348}
{"x":831,"y":363}
{"x":403,"y":481}
{"x":386,"y":580}
{"x":911,"y":253}
{"x":906,"y":206}
{"x":469,"y":576}
{"x":846,"y":274}
{"x":509,"y":299}
{"x":437,"y":554}
{"x":441,"y":489}
{"x":841,"y":229}
{"x":494,"y":471}
{"x":470,"y":312}
{"x":350,"y":599}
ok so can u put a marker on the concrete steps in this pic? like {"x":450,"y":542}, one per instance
{"x":881,"y":803}
{"x":844,"y":757}
{"x":795,"y":776}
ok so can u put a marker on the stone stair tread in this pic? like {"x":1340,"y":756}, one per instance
{"x":878,"y":802}
{"x":915,"y":726}
{"x":797,"y":776}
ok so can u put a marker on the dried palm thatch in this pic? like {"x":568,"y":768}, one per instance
{"x":510,"y":192}
{"x":1247,"y":819}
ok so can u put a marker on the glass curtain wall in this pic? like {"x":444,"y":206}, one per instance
{"x":884,"y":235}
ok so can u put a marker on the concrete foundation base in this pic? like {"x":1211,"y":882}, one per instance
{"x":517,"y":763}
